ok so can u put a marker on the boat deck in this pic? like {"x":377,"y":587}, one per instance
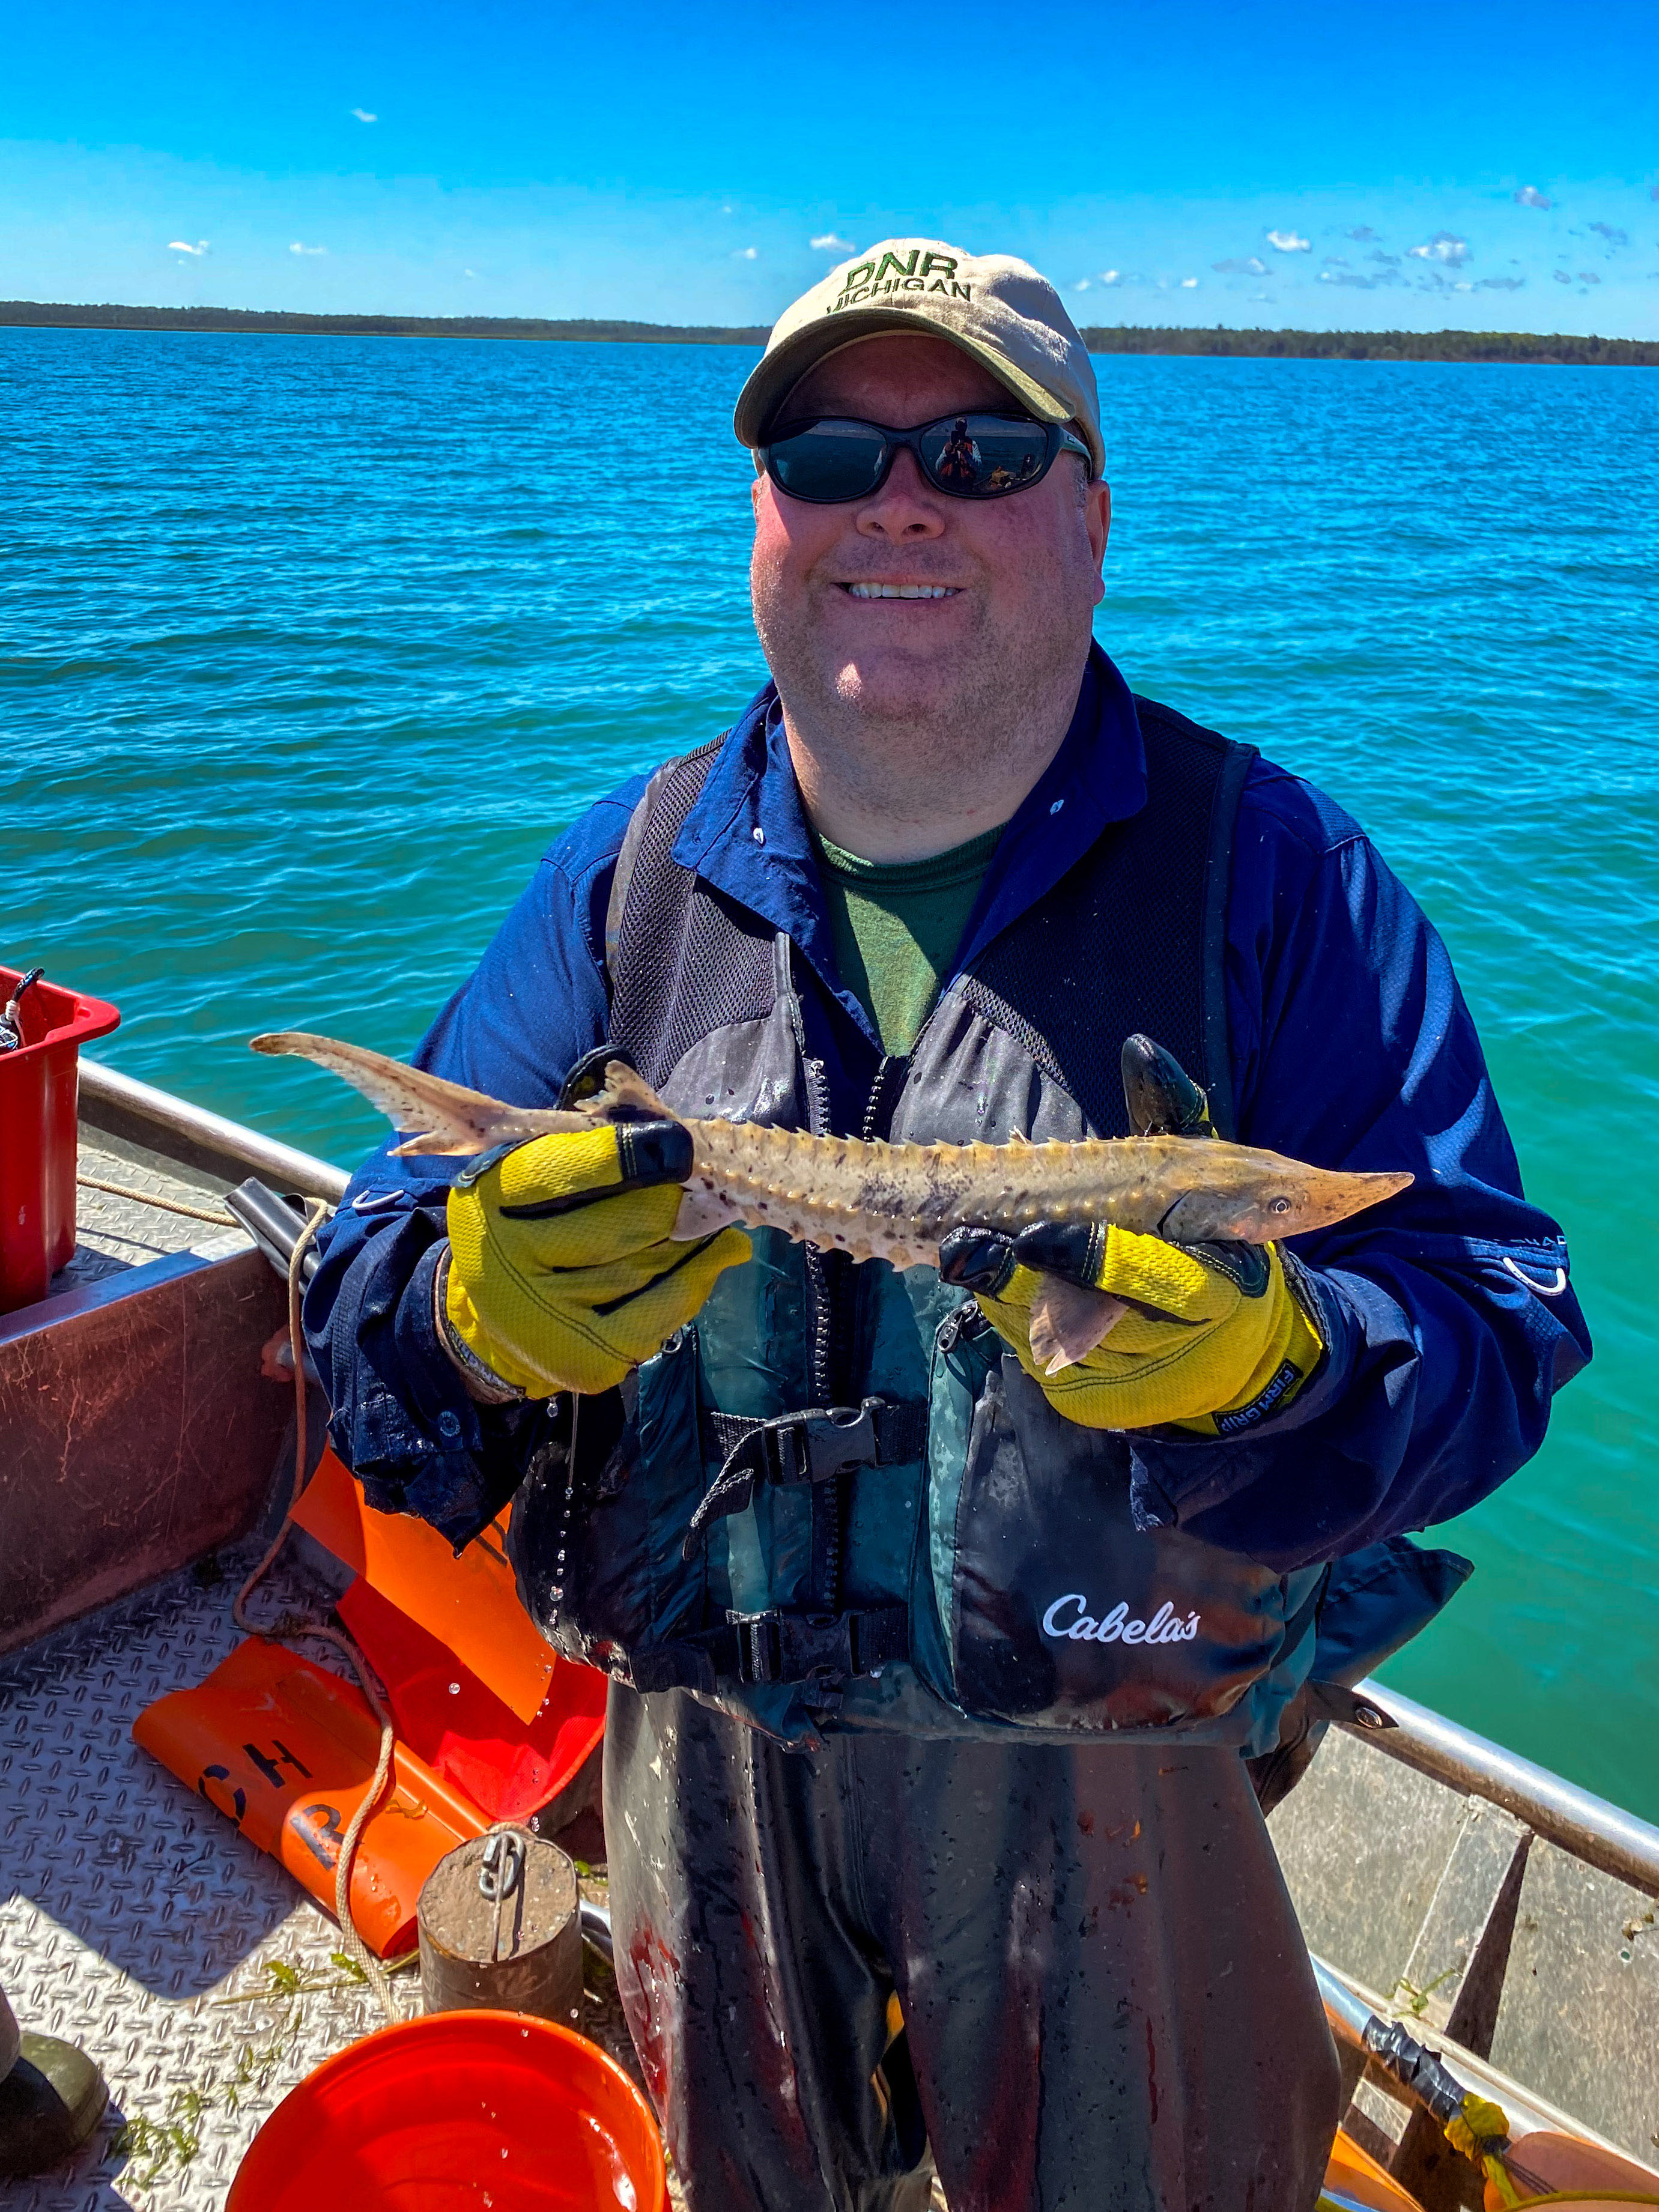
{"x":117,"y":1234}
{"x":139,"y":1924}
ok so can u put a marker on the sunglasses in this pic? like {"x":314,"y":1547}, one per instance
{"x":833,"y":459}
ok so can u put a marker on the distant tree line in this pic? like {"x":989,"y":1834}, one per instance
{"x":1382,"y":345}
{"x":43,"y":315}
{"x":1269,"y":345}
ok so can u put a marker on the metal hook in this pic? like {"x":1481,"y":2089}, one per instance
{"x":500,"y":1873}
{"x":502,"y":1867}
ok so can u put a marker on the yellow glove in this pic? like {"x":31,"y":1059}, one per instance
{"x":563,"y":1273}
{"x":1213,"y":1338}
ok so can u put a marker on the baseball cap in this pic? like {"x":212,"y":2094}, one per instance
{"x":997,"y":309}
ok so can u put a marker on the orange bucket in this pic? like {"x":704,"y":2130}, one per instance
{"x":491,"y":2111}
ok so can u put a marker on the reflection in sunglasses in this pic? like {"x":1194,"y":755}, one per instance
{"x":833,"y":460}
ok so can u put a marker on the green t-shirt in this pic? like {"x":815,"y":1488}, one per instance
{"x":895,"y":925}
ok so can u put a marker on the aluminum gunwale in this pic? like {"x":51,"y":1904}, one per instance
{"x":1601,"y":1834}
{"x":122,"y":1103}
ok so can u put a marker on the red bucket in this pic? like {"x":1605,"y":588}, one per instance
{"x":37,"y":1134}
{"x":456,"y":2112}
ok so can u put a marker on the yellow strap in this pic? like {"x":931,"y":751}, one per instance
{"x":1477,"y":2123}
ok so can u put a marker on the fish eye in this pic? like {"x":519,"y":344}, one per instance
{"x":1280,"y":1204}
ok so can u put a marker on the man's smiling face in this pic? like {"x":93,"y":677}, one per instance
{"x":911,"y":607}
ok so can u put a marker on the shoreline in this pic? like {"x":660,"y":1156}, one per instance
{"x":1555,"y":350}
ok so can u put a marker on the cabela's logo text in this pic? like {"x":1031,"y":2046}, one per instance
{"x":914,"y":272}
{"x":1165,"y":1626}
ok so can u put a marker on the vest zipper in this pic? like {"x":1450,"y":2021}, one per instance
{"x":831,"y":1282}
{"x":823,"y":1569}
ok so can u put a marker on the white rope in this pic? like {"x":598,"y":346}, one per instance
{"x":149,"y":1198}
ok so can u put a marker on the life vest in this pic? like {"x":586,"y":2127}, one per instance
{"x":835,"y":1500}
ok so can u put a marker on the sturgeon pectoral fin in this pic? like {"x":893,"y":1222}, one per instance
{"x":1067,"y":1322}
{"x":701,"y":1213}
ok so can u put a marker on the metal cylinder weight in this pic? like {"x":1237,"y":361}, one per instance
{"x":501,"y":1929}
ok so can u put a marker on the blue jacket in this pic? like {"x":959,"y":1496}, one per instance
{"x":1447,"y":1325}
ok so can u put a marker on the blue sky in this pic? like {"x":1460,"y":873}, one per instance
{"x":1326,"y":166}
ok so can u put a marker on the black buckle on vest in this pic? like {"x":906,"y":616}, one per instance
{"x":810,"y":1446}
{"x":760,"y":1647}
{"x":801,"y":1647}
{"x":813,"y":1445}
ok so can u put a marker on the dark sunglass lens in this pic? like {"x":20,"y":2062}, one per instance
{"x":827,"y":461}
{"x":981,"y":455}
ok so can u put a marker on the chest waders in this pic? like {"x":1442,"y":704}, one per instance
{"x":835,"y":1500}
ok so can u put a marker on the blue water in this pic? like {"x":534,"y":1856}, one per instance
{"x":309,"y":646}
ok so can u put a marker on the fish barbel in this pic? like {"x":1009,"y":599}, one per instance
{"x":896,"y":1202}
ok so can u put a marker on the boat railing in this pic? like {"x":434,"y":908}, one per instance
{"x":1592,"y":1829}
{"x":122,"y":1107}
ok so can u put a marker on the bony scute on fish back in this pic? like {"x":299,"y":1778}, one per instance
{"x":875,"y":1200}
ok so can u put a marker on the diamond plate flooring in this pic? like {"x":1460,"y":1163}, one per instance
{"x":114,"y":1233}
{"x":139,"y":1924}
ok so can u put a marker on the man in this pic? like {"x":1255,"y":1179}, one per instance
{"x":943,"y":1664}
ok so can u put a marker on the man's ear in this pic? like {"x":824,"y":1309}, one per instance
{"x":1100,"y":516}
{"x":1097,"y":520}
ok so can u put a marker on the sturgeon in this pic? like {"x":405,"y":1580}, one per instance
{"x":896,"y":1202}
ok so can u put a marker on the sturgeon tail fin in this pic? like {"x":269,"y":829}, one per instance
{"x":448,"y":1119}
{"x":443,"y":1117}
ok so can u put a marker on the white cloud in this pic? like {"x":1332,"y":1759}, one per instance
{"x":1081,"y":285}
{"x":1529,"y":196}
{"x":1111,"y":276}
{"x":1189,"y":283}
{"x":184,"y":245}
{"x":1336,"y":272}
{"x":1362,"y":232}
{"x":298,"y":248}
{"x":469,"y":272}
{"x":1611,"y":233}
{"x":1442,"y":246}
{"x":1588,"y":276}
{"x":1500,"y":284}
{"x":745,"y":253}
{"x":1252,"y":266}
{"x":1562,"y":278}
{"x":363,"y":115}
{"x":830,"y":244}
{"x":1286,"y":241}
